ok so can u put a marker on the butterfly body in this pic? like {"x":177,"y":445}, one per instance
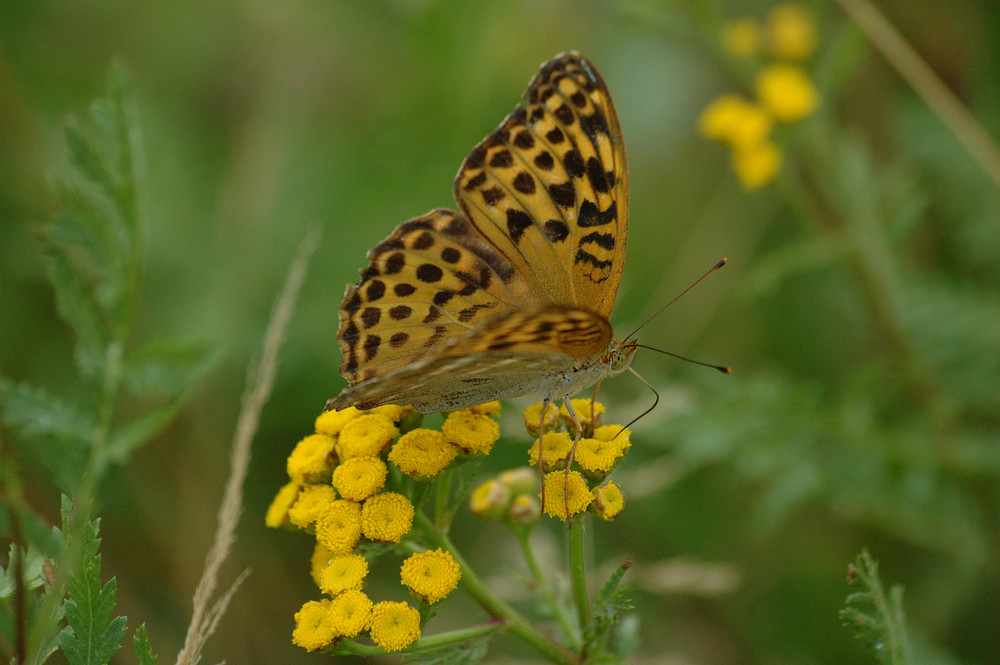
{"x":511,"y":295}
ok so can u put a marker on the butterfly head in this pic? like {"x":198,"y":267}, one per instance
{"x":619,"y":354}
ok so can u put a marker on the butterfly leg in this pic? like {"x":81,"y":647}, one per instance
{"x":568,"y":404}
{"x":541,"y":435}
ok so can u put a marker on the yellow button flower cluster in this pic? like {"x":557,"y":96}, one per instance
{"x":337,"y":492}
{"x":783,"y":92}
{"x":565,"y":491}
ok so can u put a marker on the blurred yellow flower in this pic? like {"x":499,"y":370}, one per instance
{"x":734,"y":120}
{"x":394,"y":626}
{"x":277,"y":512}
{"x":786,"y":92}
{"x":367,"y":435}
{"x":608,"y":501}
{"x":422,"y":453}
{"x":312,"y":501}
{"x":490,"y":499}
{"x":566,"y":494}
{"x":393,"y":412}
{"x":742,"y":36}
{"x":524,"y":510}
{"x":360,"y":477}
{"x":756,"y":165}
{"x":430,"y":575}
{"x":386,"y":517}
{"x":472,"y":432}
{"x":313,"y":630}
{"x":338,"y":528}
{"x":791,"y":32}
{"x":350,"y":613}
{"x":312,"y":459}
{"x":347,"y":571}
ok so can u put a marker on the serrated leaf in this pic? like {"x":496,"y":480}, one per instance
{"x":469,"y":652}
{"x":76,"y":305}
{"x":91,"y":636}
{"x":164,"y":367}
{"x":89,"y":163}
{"x":31,"y":567}
{"x":877,"y":618}
{"x":139,"y":431}
{"x":142,"y":648}
{"x":35,"y":413}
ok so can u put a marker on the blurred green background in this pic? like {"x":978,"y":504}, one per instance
{"x":860,"y":309}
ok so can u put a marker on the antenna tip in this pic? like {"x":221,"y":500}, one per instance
{"x":725,"y":370}
{"x":721,"y":263}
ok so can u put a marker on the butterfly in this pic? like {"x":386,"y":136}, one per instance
{"x":511,"y":295}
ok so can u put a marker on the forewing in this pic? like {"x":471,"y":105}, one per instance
{"x":509,"y":356}
{"x":549,"y":187}
{"x":433,"y":280}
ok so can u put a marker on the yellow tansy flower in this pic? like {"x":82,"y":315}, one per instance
{"x":472,"y":432}
{"x":786,"y":91}
{"x":350,"y":613}
{"x":311,"y":460}
{"x":487,"y":409}
{"x":277,"y":512}
{"x":589,"y":416}
{"x":566,"y":494}
{"x":386,"y":517}
{"x":555,"y":448}
{"x":313,"y":630}
{"x":757,"y":165}
{"x":430,"y":575}
{"x":347,"y":571}
{"x":331,"y":422}
{"x":313,"y":500}
{"x":791,"y":32}
{"x":394,"y":626}
{"x":360,"y":477}
{"x":742,"y":36}
{"x":490,"y":499}
{"x":534,"y":412}
{"x":422,"y":453}
{"x":608,"y":501}
{"x":338,"y":528}
{"x":367,"y":435}
{"x":393,"y":412}
{"x":597,"y":457}
{"x":734,"y":120}
{"x":317,"y":563}
{"x":621,"y":435}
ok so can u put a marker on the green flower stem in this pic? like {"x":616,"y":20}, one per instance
{"x":516,"y":624}
{"x":558,"y":610}
{"x":578,"y":573}
{"x":424,"y":643}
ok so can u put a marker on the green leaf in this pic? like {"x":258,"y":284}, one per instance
{"x":92,"y":636}
{"x":469,"y":652}
{"x":142,"y":648}
{"x":126,"y":438}
{"x":877,"y":618}
{"x":36,"y":414}
{"x":77,"y":306}
{"x":164,"y":367}
{"x":31,"y":565}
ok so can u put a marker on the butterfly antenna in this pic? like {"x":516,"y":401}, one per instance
{"x":722,"y":368}
{"x":678,"y":297}
{"x":655,"y":402}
